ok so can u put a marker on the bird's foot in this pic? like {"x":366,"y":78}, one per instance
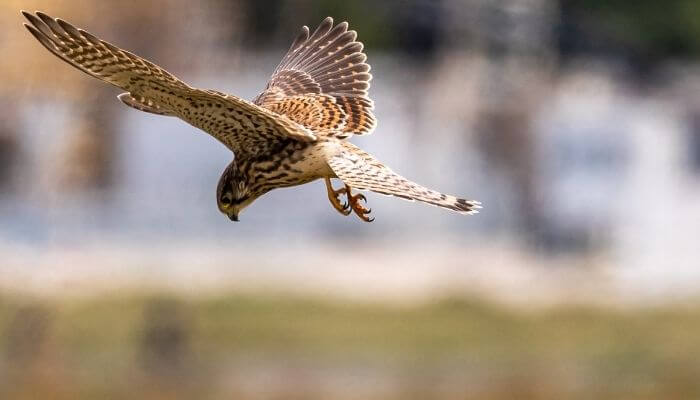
{"x":357,"y":207}
{"x":334,"y":197}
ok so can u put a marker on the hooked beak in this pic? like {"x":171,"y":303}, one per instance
{"x":233,"y":217}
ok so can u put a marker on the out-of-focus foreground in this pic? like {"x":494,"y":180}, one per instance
{"x":240,"y":347}
{"x":576,"y":123}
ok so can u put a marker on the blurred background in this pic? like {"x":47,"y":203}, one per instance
{"x":576,"y":123}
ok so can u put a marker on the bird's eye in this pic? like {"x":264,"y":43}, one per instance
{"x":225,"y":201}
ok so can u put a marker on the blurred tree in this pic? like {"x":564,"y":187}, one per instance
{"x":417,"y":26}
{"x":694,"y":140}
{"x":27,"y":336}
{"x":397,"y":25}
{"x":165,"y":353}
{"x":9,"y":151}
{"x":35,"y":370}
{"x":506,"y":142}
{"x":263,"y":17}
{"x":89,"y":156}
{"x":644,"y":32}
{"x":165,"y":347}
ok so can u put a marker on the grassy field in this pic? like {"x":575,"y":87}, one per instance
{"x":285,"y":347}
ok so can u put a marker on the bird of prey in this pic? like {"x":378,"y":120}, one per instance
{"x":293,"y":133}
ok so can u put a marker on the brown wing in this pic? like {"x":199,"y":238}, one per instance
{"x":328,"y":67}
{"x":97,"y":57}
{"x":239,"y":124}
{"x":318,"y":112}
{"x":360,"y":170}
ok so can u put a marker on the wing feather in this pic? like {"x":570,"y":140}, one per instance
{"x":330,"y":62}
{"x":242,"y":126}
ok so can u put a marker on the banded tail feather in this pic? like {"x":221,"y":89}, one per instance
{"x":360,"y":170}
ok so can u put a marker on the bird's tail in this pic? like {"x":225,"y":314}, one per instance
{"x":360,"y":170}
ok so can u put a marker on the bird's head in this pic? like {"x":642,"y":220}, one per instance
{"x":233,"y":192}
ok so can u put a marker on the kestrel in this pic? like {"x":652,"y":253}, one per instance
{"x":293,"y":133}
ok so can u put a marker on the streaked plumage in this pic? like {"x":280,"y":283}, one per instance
{"x":294,"y":132}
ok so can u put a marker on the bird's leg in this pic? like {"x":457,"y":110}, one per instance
{"x":334,"y":197}
{"x":354,"y":202}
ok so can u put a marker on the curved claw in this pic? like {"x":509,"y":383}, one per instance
{"x":364,"y":217}
{"x":358,"y":208}
{"x":345,"y":208}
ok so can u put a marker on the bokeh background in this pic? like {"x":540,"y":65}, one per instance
{"x":576,"y":123}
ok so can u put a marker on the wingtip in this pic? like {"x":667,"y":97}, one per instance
{"x":70,"y":29}
{"x":39,"y":36}
{"x":48,"y":20}
{"x":325,"y":26}
{"x":31,"y":29}
{"x":43,"y":16}
{"x":29,"y":16}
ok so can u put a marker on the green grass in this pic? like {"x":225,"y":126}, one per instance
{"x":151,"y":346}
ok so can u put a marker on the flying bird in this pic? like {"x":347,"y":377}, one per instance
{"x":292,"y":133}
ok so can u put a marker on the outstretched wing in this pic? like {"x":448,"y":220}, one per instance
{"x":240,"y":125}
{"x":360,"y":170}
{"x":324,"y":74}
